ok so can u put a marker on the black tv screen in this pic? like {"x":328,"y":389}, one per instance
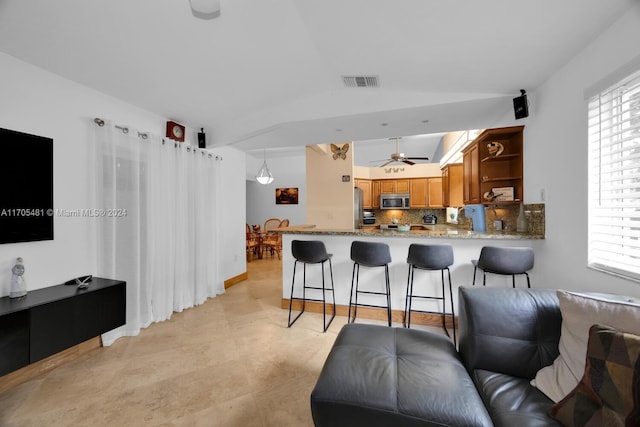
{"x":26,"y":177}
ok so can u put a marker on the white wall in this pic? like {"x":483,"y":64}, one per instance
{"x":230,"y":212}
{"x":555,"y":155}
{"x":39,"y":102}
{"x":288,"y":172}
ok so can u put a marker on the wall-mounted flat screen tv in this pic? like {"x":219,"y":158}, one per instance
{"x":26,"y":178}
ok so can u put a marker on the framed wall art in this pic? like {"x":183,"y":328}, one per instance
{"x":286,"y":196}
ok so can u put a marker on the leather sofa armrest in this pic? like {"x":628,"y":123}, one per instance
{"x":509,"y":331}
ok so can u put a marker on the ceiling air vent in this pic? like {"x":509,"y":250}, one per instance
{"x":360,"y":81}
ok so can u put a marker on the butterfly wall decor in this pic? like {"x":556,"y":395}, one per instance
{"x":394,"y":170}
{"x":339,"y":152}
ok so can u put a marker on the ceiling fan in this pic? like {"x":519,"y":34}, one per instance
{"x":398,"y":156}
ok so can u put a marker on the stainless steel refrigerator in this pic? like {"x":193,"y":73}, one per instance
{"x":357,"y":207}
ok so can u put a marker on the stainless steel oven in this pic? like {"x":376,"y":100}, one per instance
{"x":395,"y":201}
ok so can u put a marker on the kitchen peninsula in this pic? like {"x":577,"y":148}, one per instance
{"x":466,"y":247}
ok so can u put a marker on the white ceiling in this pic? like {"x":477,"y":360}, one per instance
{"x":268,"y":73}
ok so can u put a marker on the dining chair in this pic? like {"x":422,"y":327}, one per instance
{"x":270,"y":224}
{"x":254,"y":245}
{"x":271,"y":241}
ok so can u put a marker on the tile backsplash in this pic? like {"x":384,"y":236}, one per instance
{"x":409,"y":216}
{"x":508,"y":214}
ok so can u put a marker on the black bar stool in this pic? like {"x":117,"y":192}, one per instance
{"x":311,"y":252}
{"x":369,"y":254}
{"x":430,"y":257}
{"x":505,"y":261}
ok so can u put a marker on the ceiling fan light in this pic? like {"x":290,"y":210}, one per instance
{"x":205,"y":9}
{"x":399,"y":157}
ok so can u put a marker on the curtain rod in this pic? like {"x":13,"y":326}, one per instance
{"x":124,"y":129}
{"x":100,"y":122}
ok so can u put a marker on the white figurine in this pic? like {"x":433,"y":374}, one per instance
{"x":18,"y":285}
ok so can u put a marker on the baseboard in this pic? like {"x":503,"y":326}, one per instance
{"x":43,"y":366}
{"x":235,"y":280}
{"x":428,"y":319}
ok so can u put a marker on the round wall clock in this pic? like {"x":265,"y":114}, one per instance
{"x":175,"y":131}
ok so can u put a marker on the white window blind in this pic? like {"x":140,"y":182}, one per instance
{"x":614,"y":179}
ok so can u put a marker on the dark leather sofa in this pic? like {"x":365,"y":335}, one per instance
{"x":381,"y":376}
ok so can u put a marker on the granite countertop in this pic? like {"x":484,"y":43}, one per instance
{"x":417,"y":231}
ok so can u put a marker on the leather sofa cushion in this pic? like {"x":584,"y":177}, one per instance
{"x":512,"y":331}
{"x":512,"y":401}
{"x":379,"y":376}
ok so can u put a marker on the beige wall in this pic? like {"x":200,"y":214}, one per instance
{"x":454,"y":142}
{"x":449,"y":140}
{"x":329,"y":199}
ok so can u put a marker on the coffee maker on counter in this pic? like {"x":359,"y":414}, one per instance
{"x":430,"y":219}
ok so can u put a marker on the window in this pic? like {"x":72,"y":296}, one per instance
{"x":614,"y":179}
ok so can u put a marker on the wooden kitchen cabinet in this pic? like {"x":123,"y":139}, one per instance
{"x":387,"y":186}
{"x":394,"y":186}
{"x":471,"y":174}
{"x":434,"y":191}
{"x":452,"y":184}
{"x":425,"y":192}
{"x":418,"y":192}
{"x":402,"y":185}
{"x":365,"y":186}
{"x":484,"y":171}
{"x":375,"y":194}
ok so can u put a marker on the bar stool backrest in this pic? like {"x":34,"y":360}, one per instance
{"x":309,"y":251}
{"x":499,"y":260}
{"x":430,"y":257}
{"x":370,"y":254}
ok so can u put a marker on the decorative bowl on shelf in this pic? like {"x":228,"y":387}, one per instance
{"x":404,"y":227}
{"x":490,"y":196}
{"x":495,"y":148}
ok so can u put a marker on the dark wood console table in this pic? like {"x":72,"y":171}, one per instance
{"x":49,"y":320}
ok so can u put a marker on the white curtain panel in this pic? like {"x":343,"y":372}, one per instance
{"x":165,"y":246}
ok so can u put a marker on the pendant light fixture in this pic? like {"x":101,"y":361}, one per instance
{"x":264,"y":174}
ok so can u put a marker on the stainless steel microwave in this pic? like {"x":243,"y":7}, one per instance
{"x":394,"y":201}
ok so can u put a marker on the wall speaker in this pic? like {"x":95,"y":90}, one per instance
{"x":520,"y":106}
{"x":202,"y":142}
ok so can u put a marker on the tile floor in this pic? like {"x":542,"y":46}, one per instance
{"x":231,"y":361}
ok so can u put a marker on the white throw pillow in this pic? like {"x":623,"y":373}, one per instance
{"x":579,"y":312}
